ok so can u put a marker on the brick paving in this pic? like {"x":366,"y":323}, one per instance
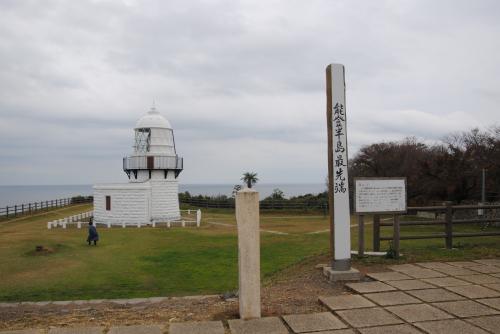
{"x":435,"y":295}
{"x":201,"y":327}
{"x":429,"y":297}
{"x":392,"y":298}
{"x":303,"y":323}
{"x":410,"y":284}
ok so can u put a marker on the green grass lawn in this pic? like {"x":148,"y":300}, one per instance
{"x":145,"y":262}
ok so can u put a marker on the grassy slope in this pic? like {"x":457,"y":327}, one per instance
{"x":134,"y":262}
{"x":151,"y":262}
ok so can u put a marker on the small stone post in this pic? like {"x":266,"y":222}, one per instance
{"x":198,"y":218}
{"x":247,"y":218}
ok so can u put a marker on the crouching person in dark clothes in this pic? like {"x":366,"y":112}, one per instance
{"x":93,"y":235}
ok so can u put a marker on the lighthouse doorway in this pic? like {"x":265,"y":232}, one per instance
{"x":151,"y":162}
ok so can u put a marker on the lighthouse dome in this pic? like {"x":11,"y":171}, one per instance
{"x":153,"y":119}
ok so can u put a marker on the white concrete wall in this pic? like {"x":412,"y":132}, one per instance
{"x":130,"y":204}
{"x":143,"y":176}
{"x":165,"y":199}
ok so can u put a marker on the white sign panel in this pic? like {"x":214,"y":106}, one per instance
{"x":341,"y":216}
{"x":380,"y":195}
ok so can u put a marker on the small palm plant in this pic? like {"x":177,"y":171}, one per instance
{"x":250,"y":178}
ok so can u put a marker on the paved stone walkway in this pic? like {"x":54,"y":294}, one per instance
{"x":433,"y":297}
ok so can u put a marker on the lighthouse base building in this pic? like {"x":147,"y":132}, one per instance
{"x":151,"y":195}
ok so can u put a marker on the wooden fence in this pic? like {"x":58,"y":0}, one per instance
{"x":447,"y":222}
{"x":317,"y":205}
{"x":30,"y":208}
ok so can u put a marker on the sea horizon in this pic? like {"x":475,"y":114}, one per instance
{"x":23,"y":194}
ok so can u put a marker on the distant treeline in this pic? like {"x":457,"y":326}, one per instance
{"x":450,"y":170}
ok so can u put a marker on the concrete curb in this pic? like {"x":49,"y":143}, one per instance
{"x":130,"y":301}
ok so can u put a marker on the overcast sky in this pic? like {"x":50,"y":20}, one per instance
{"x":242,"y":82}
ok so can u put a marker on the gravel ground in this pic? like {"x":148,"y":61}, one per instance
{"x":294,"y":290}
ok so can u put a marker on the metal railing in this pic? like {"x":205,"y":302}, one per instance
{"x":155,"y":162}
{"x":447,"y":221}
{"x":34,"y":207}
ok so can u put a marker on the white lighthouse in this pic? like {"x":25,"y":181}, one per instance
{"x":151,"y":196}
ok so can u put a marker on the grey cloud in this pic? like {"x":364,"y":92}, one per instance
{"x":235,"y":78}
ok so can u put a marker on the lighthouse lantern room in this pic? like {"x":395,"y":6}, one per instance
{"x":152,"y":169}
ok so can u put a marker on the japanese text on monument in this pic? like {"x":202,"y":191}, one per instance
{"x":340,"y":154}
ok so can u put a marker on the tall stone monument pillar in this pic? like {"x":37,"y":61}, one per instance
{"x":338,"y":181}
{"x":247,"y":219}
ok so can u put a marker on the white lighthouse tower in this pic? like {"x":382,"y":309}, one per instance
{"x":153,"y":167}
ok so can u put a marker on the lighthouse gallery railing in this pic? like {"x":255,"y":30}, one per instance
{"x":155,"y":162}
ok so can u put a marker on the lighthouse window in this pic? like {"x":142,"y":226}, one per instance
{"x":108,"y":203}
{"x":142,"y":140}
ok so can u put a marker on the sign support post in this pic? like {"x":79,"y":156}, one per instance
{"x":338,"y":184}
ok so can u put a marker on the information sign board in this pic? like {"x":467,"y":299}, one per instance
{"x":380,"y":195}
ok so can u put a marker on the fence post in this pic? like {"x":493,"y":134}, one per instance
{"x":22,"y":209}
{"x":15,"y":210}
{"x":376,"y":233}
{"x":198,"y":218}
{"x":395,"y":237}
{"x":7,"y":211}
{"x":361,"y":236}
{"x":449,"y":226}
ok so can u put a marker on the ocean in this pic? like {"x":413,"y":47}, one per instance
{"x":11,"y":195}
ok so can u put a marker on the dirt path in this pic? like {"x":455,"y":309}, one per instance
{"x":234,"y":226}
